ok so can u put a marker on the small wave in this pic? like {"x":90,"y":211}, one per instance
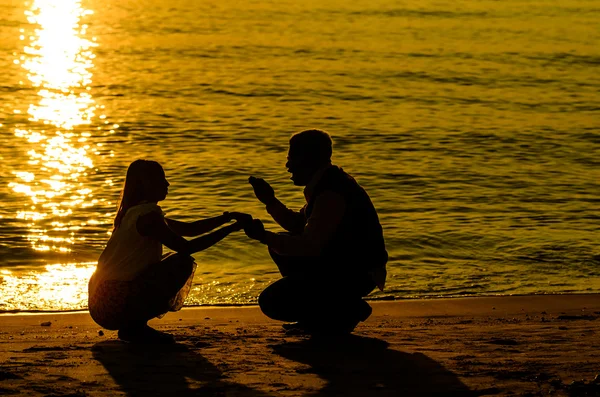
{"x":9,"y":22}
{"x":245,"y":94}
{"x":566,"y":58}
{"x":404,"y":12}
{"x":13,"y":88}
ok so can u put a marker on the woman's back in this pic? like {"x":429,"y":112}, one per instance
{"x":127,"y":252}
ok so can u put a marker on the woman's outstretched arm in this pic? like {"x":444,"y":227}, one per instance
{"x":154,"y":225}
{"x":196,"y":228}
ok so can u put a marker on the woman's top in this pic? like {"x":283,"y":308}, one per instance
{"x":127,"y":252}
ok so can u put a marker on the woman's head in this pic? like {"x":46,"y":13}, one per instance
{"x":145,"y":182}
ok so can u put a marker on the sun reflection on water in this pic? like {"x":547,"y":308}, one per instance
{"x":58,"y":286}
{"x":57,"y":60}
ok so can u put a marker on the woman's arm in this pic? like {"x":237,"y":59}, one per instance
{"x":154,"y":225}
{"x":192,"y":229}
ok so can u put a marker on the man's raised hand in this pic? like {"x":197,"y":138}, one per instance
{"x":263,"y":191}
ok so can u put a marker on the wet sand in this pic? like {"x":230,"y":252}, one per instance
{"x":524,"y":345}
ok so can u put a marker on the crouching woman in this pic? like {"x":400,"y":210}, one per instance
{"x":133,"y":281}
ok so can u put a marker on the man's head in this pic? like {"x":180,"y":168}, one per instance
{"x":310,"y":150}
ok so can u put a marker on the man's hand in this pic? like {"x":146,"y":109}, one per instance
{"x":263,"y":191}
{"x":255,"y":230}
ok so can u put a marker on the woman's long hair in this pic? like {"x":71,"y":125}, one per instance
{"x":139,"y":174}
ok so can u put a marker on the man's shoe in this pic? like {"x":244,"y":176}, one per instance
{"x":291,"y":326}
{"x":344,"y":327}
{"x":297,"y":328}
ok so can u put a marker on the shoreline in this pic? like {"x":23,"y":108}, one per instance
{"x":511,"y":345}
{"x":372,"y":300}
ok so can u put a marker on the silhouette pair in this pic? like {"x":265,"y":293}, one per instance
{"x":331,"y":255}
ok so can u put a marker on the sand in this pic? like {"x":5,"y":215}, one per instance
{"x":524,"y":345}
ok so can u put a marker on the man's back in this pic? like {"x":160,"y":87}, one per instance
{"x":358,"y":241}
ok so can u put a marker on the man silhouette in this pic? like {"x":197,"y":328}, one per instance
{"x":334,"y":253}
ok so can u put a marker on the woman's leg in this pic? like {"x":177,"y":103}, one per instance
{"x":157,"y":287}
{"x":107,"y":305}
{"x":153,"y":294}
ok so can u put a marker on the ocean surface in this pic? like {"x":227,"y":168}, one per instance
{"x":474,"y":126}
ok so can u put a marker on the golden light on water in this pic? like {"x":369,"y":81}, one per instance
{"x":58,"y":286}
{"x":58,"y":59}
{"x":56,"y":143}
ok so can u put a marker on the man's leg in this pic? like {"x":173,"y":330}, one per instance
{"x":340,"y":307}
{"x":284,"y":300}
{"x":320,"y":302}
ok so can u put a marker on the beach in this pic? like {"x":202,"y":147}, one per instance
{"x":512,"y":345}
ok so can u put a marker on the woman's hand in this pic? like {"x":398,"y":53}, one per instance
{"x":240,"y":217}
{"x":236,"y":227}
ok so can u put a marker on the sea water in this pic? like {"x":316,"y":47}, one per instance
{"x":474,"y":127}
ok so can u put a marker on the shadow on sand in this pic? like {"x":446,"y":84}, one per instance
{"x":361,"y":366}
{"x":170,"y":370}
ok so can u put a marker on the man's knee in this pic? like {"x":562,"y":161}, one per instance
{"x":277,"y":301}
{"x":267,"y":301}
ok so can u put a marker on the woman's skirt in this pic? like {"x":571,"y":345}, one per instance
{"x":161,"y":288}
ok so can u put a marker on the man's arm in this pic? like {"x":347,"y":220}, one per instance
{"x":324,"y":220}
{"x":288,"y":219}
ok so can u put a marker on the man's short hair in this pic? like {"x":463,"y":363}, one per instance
{"x":315,"y":144}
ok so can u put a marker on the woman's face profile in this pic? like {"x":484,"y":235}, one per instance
{"x":156,"y":186}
